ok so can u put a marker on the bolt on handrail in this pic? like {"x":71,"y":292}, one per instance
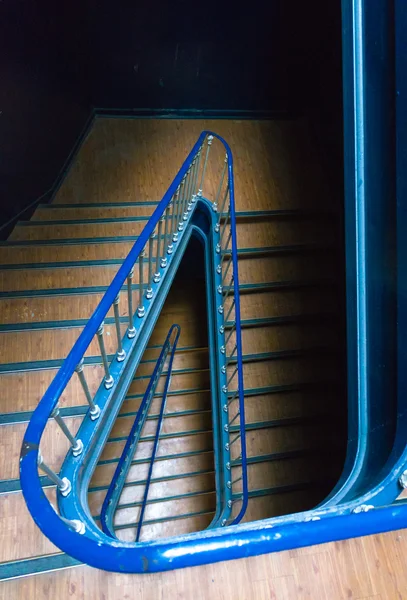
{"x":176,"y":206}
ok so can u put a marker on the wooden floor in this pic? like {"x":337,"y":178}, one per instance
{"x":128,"y":161}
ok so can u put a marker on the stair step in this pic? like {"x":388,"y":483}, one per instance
{"x":106,"y":243}
{"x":55,"y":344}
{"x":302,"y":266}
{"x":105,"y":210}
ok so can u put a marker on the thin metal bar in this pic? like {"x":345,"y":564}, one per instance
{"x":141,"y":311}
{"x":163,"y":261}
{"x":108,"y":378}
{"x":229,"y":311}
{"x":226,"y":245}
{"x":131,"y":331}
{"x":231,"y":377}
{"x":231,"y":285}
{"x":223,"y":349}
{"x":227,"y":269}
{"x":74,"y":524}
{"x":172,"y":224}
{"x":186,"y":196}
{"x":191,"y":186}
{"x":236,"y":480}
{"x":237,"y":436}
{"x":233,"y":398}
{"x":208,"y":147}
{"x":77,"y":445}
{"x":157,"y":274}
{"x":180,"y":223}
{"x":219,"y":244}
{"x":63,"y":484}
{"x":217,"y":226}
{"x":175,"y":215}
{"x":215,"y":204}
{"x":195,"y":181}
{"x":230,"y":334}
{"x":121,"y":354}
{"x":149,"y":290}
{"x":234,"y":418}
{"x":94,"y":408}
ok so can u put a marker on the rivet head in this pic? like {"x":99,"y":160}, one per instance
{"x":362,"y":508}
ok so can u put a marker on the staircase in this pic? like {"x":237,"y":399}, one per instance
{"x":260,"y":352}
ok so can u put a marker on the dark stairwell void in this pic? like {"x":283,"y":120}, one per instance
{"x":181,"y":497}
{"x":294,"y":398}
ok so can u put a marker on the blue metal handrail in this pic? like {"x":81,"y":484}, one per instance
{"x":59,"y":529}
{"x":116,"y":486}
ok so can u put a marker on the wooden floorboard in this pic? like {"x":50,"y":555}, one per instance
{"x":121,"y":162}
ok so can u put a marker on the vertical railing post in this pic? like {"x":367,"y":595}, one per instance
{"x":208,"y":147}
{"x":109,"y":381}
{"x":141,"y":311}
{"x":76,"y":445}
{"x":121,"y":354}
{"x":157,"y":274}
{"x":184,"y":215}
{"x":215,"y":204}
{"x":163,"y":261}
{"x":180,"y":223}
{"x":175,"y":215}
{"x":94,"y":408}
{"x":196,"y":174}
{"x":131,"y":331}
{"x":149,"y":290}
{"x":63,"y":484}
{"x":172,"y":222}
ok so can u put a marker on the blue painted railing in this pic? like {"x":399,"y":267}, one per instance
{"x":74,"y":528}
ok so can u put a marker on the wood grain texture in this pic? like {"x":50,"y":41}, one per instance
{"x":128,"y":161}
{"x":369,"y":568}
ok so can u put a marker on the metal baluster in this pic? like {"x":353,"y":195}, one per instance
{"x":172,"y":222}
{"x":121,"y":354}
{"x":74,"y":524}
{"x":219,"y":267}
{"x":94,"y":408}
{"x":109,"y":381}
{"x":131,"y":331}
{"x":234,"y":418}
{"x":217,"y":226}
{"x":63,"y":484}
{"x":223,"y":348}
{"x":191,"y":186}
{"x":227,"y":251}
{"x":195,"y":179}
{"x":222,"y":327}
{"x":222,"y":177}
{"x":233,"y":397}
{"x":141,"y":311}
{"x":208,"y":147}
{"x":180,"y":222}
{"x":157,"y":275}
{"x":186,"y":196}
{"x":219,"y":244}
{"x":175,"y":215}
{"x":149,"y":290}
{"x":229,"y":360}
{"x":77,"y":445}
{"x":228,"y":289}
{"x":225,"y":387}
{"x":163,"y":261}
